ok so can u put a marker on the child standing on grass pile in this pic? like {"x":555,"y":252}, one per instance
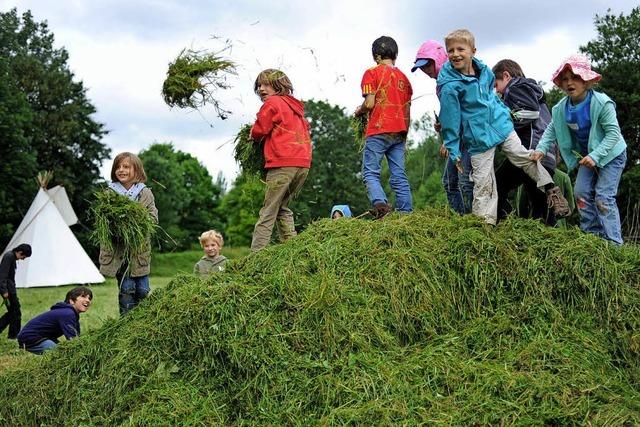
{"x":42,"y":332}
{"x":430,"y":58}
{"x":586,"y":127}
{"x":128,"y":179}
{"x":530,"y":114}
{"x":468,"y":102}
{"x":387,"y":100}
{"x":211,"y":262}
{"x":287,"y":151}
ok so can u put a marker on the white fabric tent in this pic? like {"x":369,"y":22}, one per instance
{"x":58,"y":258}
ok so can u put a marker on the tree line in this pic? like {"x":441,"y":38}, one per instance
{"x":46,"y":124}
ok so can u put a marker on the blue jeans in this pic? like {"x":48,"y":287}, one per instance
{"x":392,"y":147}
{"x":458,"y":186}
{"x":132,"y":291}
{"x":595,"y":192}
{"x":41,"y":347}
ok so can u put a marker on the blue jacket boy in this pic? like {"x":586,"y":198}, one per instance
{"x":473,"y":108}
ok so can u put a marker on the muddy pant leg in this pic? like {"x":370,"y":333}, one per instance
{"x":519,"y":156}
{"x":285,"y":221}
{"x":485,"y":193}
{"x":595,"y":193}
{"x":278,"y":182}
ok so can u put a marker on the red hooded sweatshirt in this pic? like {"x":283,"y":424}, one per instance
{"x":281,"y":123}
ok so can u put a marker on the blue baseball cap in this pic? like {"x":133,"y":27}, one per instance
{"x":420,"y":63}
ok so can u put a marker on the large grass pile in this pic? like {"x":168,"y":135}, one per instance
{"x":425,"y":318}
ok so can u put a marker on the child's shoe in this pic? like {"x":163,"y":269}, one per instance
{"x":558,"y":203}
{"x":380,"y":209}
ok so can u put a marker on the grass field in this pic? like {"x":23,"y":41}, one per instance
{"x":34,"y":301}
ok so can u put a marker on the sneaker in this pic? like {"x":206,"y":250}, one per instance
{"x":380,"y":209}
{"x":557,"y":202}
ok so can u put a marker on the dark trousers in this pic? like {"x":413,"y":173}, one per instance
{"x":12,"y":317}
{"x":510,"y":177}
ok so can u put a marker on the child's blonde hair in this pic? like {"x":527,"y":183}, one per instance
{"x":276,"y":79}
{"x":461,"y":35}
{"x":139,"y":173}
{"x":211,"y":235}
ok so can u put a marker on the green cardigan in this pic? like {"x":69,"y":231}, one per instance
{"x":605,"y":140}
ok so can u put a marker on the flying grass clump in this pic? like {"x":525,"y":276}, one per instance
{"x":248,"y":154}
{"x":422,"y":319}
{"x":193,"y":78}
{"x":119,"y":222}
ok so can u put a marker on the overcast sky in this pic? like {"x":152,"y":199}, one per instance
{"x":120,"y":50}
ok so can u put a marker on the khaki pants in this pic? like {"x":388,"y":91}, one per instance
{"x":485,"y":192}
{"x":282,"y":185}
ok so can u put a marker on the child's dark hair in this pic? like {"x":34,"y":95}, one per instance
{"x":276,"y":79}
{"x":508,"y":65}
{"x":80,"y":291}
{"x":139,"y":176}
{"x":24,"y":248}
{"x":384,"y":48}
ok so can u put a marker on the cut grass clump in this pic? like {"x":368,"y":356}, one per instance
{"x":193,"y":77}
{"x":428,"y":318}
{"x":359,"y":128}
{"x":248,"y":154}
{"x":119,"y":222}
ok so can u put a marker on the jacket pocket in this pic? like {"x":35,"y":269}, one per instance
{"x":105,"y":258}
{"x":144,"y":258}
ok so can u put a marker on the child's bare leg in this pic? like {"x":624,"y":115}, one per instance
{"x":485,"y":192}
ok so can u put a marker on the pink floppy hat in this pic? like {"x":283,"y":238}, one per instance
{"x":580,"y":65}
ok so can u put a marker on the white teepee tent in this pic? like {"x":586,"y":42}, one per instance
{"x":58,"y":258}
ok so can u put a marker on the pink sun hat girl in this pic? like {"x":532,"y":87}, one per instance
{"x":579,"y":65}
{"x":430,"y":50}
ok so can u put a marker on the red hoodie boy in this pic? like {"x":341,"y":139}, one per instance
{"x":280,"y":123}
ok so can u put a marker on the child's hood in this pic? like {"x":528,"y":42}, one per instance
{"x":294,"y":104}
{"x":533,"y":86}
{"x":62,"y":306}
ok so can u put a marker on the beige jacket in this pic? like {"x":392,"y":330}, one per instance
{"x":140,"y":265}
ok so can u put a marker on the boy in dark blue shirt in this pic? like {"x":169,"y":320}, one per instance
{"x":42,"y":332}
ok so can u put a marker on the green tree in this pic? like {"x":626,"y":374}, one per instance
{"x":186,"y":195}
{"x":553,"y":96}
{"x":51,"y":120}
{"x":615,"y":55}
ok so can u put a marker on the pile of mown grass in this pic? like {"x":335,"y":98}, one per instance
{"x":424,"y":318}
